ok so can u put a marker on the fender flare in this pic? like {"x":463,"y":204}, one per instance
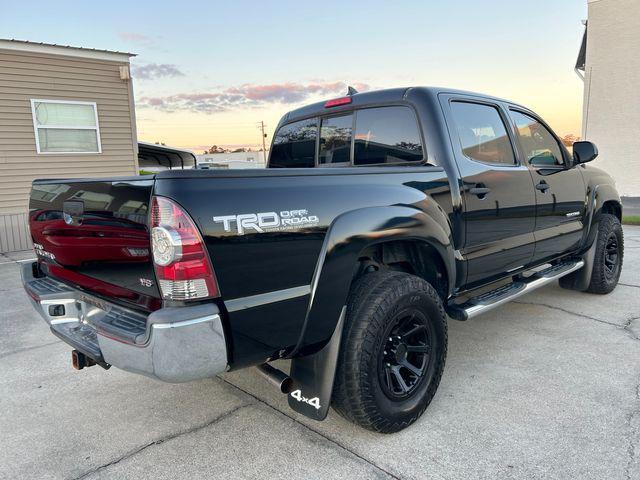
{"x":597,"y":197}
{"x":347,"y":237}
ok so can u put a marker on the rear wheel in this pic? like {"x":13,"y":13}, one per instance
{"x":393,"y":351}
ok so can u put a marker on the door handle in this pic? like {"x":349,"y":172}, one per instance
{"x":480,"y":190}
{"x":543,"y":186}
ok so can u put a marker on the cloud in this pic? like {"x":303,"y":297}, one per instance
{"x":136,"y":38}
{"x":152,"y":71}
{"x":246,"y":95}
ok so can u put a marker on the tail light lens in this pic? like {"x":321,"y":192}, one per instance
{"x":180,"y":259}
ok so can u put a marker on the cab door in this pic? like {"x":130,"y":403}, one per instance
{"x":559,"y":187}
{"x":498,"y":193}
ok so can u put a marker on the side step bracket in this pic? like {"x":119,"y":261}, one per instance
{"x":490,"y":300}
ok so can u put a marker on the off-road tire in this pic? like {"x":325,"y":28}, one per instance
{"x":375,"y":301}
{"x":603,"y":281}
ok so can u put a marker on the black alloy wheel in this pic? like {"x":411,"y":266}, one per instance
{"x":404,"y":355}
{"x":611,"y":256}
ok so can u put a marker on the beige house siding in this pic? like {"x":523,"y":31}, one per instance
{"x":27,"y":75}
{"x":611,"y":108}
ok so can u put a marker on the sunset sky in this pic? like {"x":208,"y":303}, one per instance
{"x":208,"y":72}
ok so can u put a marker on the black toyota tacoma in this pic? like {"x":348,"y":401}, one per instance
{"x":380,"y":216}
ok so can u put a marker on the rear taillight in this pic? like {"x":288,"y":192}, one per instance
{"x":181,"y":262}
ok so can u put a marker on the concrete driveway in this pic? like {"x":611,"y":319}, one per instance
{"x":547,"y":387}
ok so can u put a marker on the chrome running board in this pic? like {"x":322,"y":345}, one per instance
{"x":490,"y":300}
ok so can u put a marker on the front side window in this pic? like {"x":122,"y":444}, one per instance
{"x":294,"y":146}
{"x":386,"y":135}
{"x":66,"y":127}
{"x":335,"y":140}
{"x":539,"y":145}
{"x":482,"y":133}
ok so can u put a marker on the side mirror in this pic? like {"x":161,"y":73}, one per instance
{"x":584,"y":152}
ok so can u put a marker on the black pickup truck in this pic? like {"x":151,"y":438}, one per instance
{"x":380,"y":216}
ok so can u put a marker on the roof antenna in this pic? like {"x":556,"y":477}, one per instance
{"x":351,"y":91}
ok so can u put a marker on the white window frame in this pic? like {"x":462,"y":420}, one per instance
{"x":62,"y":127}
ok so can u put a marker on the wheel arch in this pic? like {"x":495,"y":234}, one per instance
{"x":613,"y":207}
{"x":414,"y":256}
{"x":352,"y":237}
{"x":602,"y":199}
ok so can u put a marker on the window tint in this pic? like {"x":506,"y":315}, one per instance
{"x":294,"y":146}
{"x":335,"y":140}
{"x":539,"y":145}
{"x":482,"y":133}
{"x":386,"y":135}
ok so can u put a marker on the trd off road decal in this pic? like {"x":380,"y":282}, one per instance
{"x":267,"y":221}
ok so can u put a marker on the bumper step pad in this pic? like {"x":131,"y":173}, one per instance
{"x":81,"y":337}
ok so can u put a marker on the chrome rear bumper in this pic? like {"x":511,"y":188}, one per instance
{"x":171,"y":344}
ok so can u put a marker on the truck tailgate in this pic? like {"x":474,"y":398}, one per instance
{"x":94,"y":235}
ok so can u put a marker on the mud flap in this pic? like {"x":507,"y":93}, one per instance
{"x":580,"y":279}
{"x":313,"y":377}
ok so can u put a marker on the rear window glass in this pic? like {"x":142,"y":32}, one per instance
{"x":482,"y":133}
{"x":294,"y":146}
{"x":335,"y":140}
{"x":387,"y":135}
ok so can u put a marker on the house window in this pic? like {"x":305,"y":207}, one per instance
{"x":66,"y":127}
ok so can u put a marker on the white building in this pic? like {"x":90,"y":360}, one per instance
{"x":609,"y":62}
{"x":232,"y":160}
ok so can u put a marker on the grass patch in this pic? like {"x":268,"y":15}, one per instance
{"x":631,"y":220}
{"x":145,"y":172}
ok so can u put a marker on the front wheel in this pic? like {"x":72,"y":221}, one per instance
{"x":393,"y":351}
{"x":609,"y":254}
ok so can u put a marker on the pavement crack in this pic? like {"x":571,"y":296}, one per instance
{"x":161,"y":440}
{"x":570,"y":312}
{"x":628,"y":285}
{"x":28,"y":349}
{"x":628,"y":327}
{"x":625,"y":326}
{"x":328,"y":439}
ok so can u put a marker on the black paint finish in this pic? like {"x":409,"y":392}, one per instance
{"x":356,"y":206}
{"x":485,"y":222}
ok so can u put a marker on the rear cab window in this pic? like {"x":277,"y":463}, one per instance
{"x":387,"y":135}
{"x":335,"y":140}
{"x":294,"y":146}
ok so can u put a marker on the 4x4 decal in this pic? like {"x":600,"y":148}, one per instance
{"x":314,"y":402}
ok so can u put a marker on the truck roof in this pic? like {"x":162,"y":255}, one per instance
{"x":380,"y":96}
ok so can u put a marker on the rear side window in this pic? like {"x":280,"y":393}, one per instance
{"x":386,"y":135}
{"x":335,"y":140}
{"x":482,"y":133}
{"x":294,"y":146}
